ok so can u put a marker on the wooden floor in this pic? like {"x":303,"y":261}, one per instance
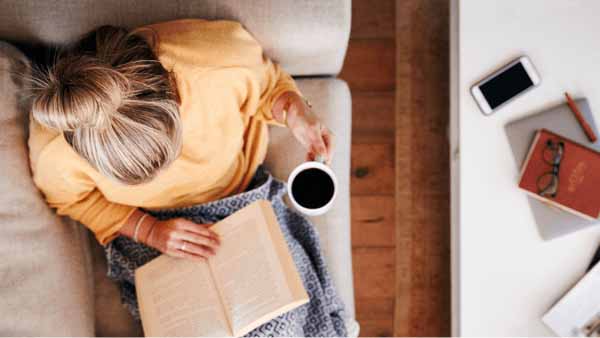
{"x":397,"y":70}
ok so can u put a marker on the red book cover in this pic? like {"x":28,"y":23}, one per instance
{"x":563,"y":173}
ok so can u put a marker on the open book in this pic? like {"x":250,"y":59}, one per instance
{"x":251,"y":280}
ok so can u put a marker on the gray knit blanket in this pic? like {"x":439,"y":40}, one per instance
{"x":323,"y":315}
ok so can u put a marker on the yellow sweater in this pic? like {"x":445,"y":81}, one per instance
{"x":227,"y":88}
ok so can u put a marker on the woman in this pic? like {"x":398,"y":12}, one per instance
{"x":170,"y":120}
{"x":171,"y":115}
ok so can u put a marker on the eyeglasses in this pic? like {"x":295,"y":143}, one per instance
{"x":547,"y":183}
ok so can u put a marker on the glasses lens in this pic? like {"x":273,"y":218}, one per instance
{"x":548,"y":155}
{"x":552,"y":153}
{"x":547,"y":184}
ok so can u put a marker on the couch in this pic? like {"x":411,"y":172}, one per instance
{"x":52,"y":272}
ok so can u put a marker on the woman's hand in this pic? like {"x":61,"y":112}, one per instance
{"x":304,"y":125}
{"x":314,"y":137}
{"x":182,"y":238}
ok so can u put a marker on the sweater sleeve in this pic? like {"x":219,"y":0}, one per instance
{"x":278,"y":82}
{"x":73,"y":193}
{"x":266,"y":80}
{"x":225,"y":46}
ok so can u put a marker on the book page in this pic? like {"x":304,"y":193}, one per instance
{"x":293,"y":280}
{"x":177,"y":297}
{"x":248,"y":272}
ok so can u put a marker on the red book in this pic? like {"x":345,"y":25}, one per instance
{"x":575,"y":167}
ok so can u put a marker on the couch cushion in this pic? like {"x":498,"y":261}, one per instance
{"x":331,"y":100}
{"x":306,"y":37}
{"x":45,"y":287}
{"x":111,"y":317}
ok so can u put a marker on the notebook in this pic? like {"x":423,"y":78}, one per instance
{"x":576,"y":189}
{"x":551,"y":222}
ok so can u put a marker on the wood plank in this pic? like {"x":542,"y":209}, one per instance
{"x":375,"y":316}
{"x":374,"y":290}
{"x":402,"y":165}
{"x":373,"y":117}
{"x":373,"y":19}
{"x":377,"y":327}
{"x":370,"y":65}
{"x":422,"y":306}
{"x":372,"y":221}
{"x":374,"y":308}
{"x":429,"y":161}
{"x":369,"y":70}
{"x":372,"y":169}
{"x":373,"y":272}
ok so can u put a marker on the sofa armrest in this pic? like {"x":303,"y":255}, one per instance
{"x":45,"y":276}
{"x":307,"y":37}
{"x":332,"y":103}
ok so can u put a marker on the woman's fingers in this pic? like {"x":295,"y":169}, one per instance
{"x":200,"y":229}
{"x":194,"y":238}
{"x":328,"y":140}
{"x":186,"y":239}
{"x":185,"y":249}
{"x":310,"y":156}
{"x":195,"y":249}
{"x":187,"y":255}
{"x":318,"y":145}
{"x":321,"y":144}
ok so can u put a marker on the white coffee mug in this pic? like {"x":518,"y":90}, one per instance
{"x":308,"y":165}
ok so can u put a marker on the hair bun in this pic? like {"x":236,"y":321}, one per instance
{"x":115,"y":103}
{"x":78,"y":92}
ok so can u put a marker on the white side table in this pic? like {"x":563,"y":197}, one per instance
{"x":505,"y":276}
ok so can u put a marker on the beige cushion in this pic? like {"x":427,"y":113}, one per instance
{"x":45,"y":287}
{"x":111,"y":317}
{"x":331,"y":100}
{"x":280,"y":25}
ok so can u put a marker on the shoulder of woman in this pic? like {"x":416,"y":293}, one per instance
{"x":179,"y":28}
{"x":203,"y":43}
{"x":54,"y":164}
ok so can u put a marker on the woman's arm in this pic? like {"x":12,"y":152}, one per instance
{"x":175,"y":237}
{"x":292,"y":110}
{"x":269,"y":89}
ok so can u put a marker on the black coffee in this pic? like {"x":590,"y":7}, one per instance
{"x":312,"y":188}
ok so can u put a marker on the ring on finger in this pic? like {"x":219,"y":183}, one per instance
{"x":182,"y":247}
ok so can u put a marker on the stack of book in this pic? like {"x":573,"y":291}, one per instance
{"x":564,"y":174}
{"x":564,"y":120}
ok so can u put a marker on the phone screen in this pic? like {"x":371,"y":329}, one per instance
{"x":506,"y":85}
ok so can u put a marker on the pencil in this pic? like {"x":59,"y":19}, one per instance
{"x":582,"y":122}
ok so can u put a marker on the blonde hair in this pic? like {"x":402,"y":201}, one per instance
{"x":115,"y":104}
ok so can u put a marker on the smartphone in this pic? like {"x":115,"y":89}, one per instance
{"x":505,"y":84}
